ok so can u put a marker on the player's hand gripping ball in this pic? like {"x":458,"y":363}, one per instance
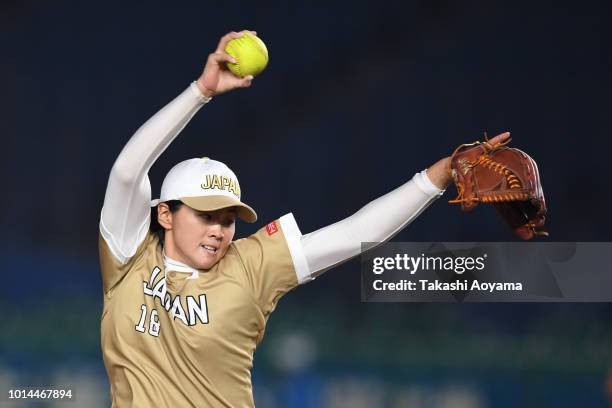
{"x":250,"y":53}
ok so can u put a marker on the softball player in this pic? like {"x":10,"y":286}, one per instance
{"x":184,"y":304}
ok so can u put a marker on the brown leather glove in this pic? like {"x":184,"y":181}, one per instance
{"x":505,"y":177}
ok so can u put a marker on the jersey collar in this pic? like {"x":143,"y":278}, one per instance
{"x":173,"y":265}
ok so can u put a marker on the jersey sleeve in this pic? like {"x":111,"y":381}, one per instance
{"x":113,"y":269}
{"x":273,"y":260}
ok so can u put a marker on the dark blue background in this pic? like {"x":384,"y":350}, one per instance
{"x":358,"y":96}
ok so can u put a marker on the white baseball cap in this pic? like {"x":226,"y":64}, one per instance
{"x":204,"y":185}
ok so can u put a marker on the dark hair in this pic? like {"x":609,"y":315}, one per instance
{"x":155,"y":227}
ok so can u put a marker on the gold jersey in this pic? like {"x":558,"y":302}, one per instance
{"x":173,"y":339}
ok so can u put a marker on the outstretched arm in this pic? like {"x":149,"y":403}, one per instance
{"x":125,"y":215}
{"x":378,"y":221}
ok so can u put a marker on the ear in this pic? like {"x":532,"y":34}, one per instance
{"x":164,"y":216}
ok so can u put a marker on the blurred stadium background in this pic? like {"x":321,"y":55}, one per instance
{"x":358,"y":96}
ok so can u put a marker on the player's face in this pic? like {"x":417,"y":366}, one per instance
{"x":201,"y":238}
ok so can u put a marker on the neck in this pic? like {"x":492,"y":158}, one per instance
{"x":172,"y":260}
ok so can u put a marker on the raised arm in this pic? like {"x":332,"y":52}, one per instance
{"x":124,"y":220}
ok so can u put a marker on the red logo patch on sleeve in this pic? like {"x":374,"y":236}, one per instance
{"x":272,"y":228}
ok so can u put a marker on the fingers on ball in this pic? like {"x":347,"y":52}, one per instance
{"x":247,"y":81}
{"x":221,"y":57}
{"x":227,"y":38}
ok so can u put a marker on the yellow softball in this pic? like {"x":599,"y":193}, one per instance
{"x":250,"y":53}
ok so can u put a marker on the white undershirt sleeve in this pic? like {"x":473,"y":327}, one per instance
{"x":125,"y":216}
{"x":378,"y":221}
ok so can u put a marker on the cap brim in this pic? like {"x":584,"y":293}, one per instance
{"x":217,"y":202}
